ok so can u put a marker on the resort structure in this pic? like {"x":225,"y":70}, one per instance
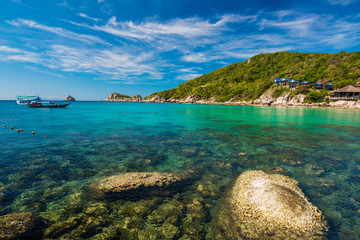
{"x":346,"y":93}
{"x":319,"y":85}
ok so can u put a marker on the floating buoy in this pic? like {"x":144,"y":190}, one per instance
{"x":32,"y":133}
{"x":12,"y":128}
{"x":4,"y":125}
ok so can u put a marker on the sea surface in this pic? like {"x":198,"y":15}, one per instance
{"x":48,"y":173}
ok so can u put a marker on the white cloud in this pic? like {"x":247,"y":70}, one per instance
{"x":187,"y":77}
{"x":9,"y":49}
{"x":187,"y":28}
{"x":114,"y":64}
{"x":196,"y":57}
{"x":297,"y":27}
{"x":189,"y":70}
{"x":141,"y":50}
{"x":87,"y":17}
{"x":57,"y":30}
{"x":15,"y":54}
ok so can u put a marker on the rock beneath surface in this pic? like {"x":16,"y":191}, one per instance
{"x":139,"y":184}
{"x":18,"y":226}
{"x":272,"y":206}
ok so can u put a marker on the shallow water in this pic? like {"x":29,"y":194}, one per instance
{"x":87,"y":141}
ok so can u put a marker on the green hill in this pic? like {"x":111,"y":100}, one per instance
{"x":248,"y":80}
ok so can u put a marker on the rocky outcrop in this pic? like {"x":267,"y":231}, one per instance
{"x":345,"y":104}
{"x":139,"y":184}
{"x":117,"y":97}
{"x":70,"y":98}
{"x":18,"y":226}
{"x":272,"y":206}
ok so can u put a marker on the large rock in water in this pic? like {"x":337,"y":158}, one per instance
{"x":264,"y":206}
{"x":69,"y":98}
{"x":18,"y":226}
{"x":139,"y":184}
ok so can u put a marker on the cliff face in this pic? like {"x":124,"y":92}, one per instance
{"x":249,"y":80}
{"x":69,"y":98}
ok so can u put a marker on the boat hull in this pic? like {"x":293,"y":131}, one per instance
{"x":49,"y":106}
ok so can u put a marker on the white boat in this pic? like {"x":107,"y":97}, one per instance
{"x":25,"y":100}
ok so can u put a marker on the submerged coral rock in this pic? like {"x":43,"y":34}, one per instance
{"x":17,"y":226}
{"x":267,"y":206}
{"x":61,"y":227}
{"x":137,"y":184}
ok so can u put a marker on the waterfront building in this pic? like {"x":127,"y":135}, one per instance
{"x":346,"y":93}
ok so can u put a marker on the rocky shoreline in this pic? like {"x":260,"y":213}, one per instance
{"x":266,"y":99}
{"x":258,"y":102}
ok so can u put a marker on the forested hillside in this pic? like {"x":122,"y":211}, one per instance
{"x":248,"y":80}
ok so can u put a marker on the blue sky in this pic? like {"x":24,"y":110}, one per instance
{"x":91,"y":48}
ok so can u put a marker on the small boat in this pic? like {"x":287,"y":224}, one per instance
{"x":46,"y":104}
{"x":25,"y":100}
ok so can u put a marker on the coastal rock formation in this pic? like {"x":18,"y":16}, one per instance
{"x":346,"y":104}
{"x":69,"y":98}
{"x":283,"y":100}
{"x":117,"y":97}
{"x":138,"y":184}
{"x":272,"y":206}
{"x":17,"y":226}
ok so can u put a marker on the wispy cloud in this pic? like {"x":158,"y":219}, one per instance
{"x":150,"y":49}
{"x":341,"y":2}
{"x":18,"y":55}
{"x":186,"y":77}
{"x":298,"y":26}
{"x":187,"y":28}
{"x":56,"y":30}
{"x":87,"y":17}
{"x":113,"y":64}
{"x":7,"y":49}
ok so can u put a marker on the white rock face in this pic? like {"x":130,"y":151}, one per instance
{"x":272,"y":206}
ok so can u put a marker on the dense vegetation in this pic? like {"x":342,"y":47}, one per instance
{"x":248,"y":80}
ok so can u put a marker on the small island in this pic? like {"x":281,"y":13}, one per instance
{"x":70,"y":98}
{"x":117,"y":97}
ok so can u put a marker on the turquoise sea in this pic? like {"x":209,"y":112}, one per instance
{"x":88,"y":141}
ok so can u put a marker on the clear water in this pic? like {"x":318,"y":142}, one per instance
{"x":88,"y":141}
